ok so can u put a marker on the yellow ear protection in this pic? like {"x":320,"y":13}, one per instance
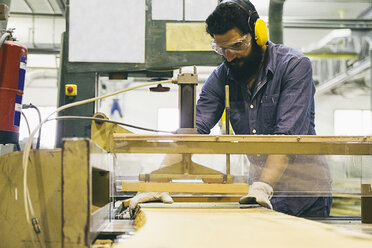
{"x":261,"y":34}
{"x":255,"y":23}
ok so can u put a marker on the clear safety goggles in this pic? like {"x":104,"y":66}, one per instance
{"x":234,"y":47}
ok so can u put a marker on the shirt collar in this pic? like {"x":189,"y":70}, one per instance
{"x":269,"y":64}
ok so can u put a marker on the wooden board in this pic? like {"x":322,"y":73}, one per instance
{"x":243,"y":144}
{"x":232,"y":227}
{"x":244,"y":138}
{"x":44,"y":184}
{"x":209,"y":188}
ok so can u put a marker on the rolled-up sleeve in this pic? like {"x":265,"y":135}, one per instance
{"x":296,"y":106}
{"x":210,"y":105}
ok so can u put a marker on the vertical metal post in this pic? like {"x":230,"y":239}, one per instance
{"x":187,"y":101}
{"x":187,"y":106}
{"x":366,"y":184}
{"x":227,"y":127}
{"x":370,"y":72}
{"x":276,"y":21}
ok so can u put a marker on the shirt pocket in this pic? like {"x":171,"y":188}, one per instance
{"x":269,"y":104}
{"x":237,"y":106}
{"x":237,"y":110}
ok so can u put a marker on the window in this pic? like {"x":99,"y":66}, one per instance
{"x":168,"y":119}
{"x":352,"y":122}
{"x":48,"y":130}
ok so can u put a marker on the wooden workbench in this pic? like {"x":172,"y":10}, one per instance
{"x":230,"y":226}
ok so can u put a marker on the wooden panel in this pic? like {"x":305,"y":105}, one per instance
{"x":76,"y":193}
{"x":243,"y":144}
{"x":251,"y":227}
{"x":245,"y":138}
{"x":211,"y":188}
{"x":214,"y":199}
{"x":44,"y":184}
{"x":187,"y":37}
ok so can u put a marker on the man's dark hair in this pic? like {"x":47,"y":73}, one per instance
{"x":228,"y":15}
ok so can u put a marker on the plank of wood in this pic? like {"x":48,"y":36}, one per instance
{"x":242,"y":144}
{"x":252,"y":227}
{"x":208,"y":188}
{"x":243,"y":138}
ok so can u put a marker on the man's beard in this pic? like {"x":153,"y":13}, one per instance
{"x":245,"y":67}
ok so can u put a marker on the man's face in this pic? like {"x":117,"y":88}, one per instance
{"x":241,"y":54}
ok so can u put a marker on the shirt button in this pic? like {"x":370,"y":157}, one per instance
{"x":254,"y":131}
{"x":251,"y":106}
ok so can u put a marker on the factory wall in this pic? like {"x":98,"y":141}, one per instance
{"x":141,"y":107}
{"x":325,"y":106}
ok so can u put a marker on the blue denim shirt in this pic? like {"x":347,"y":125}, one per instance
{"x":281,"y":103}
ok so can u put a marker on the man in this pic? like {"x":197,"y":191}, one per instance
{"x":271,"y":92}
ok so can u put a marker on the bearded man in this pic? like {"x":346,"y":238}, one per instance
{"x":271,"y":92}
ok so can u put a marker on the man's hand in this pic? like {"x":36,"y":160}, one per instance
{"x":141,"y":197}
{"x":259,"y":192}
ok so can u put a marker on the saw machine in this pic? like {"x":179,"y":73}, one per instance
{"x":73,"y":195}
{"x":75,"y":200}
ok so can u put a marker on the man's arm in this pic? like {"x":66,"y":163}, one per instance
{"x":211,"y":103}
{"x":261,"y":192}
{"x":274,"y":169}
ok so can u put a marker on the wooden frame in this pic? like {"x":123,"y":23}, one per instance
{"x":242,"y":144}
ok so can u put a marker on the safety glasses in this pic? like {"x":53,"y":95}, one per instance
{"x":234,"y":47}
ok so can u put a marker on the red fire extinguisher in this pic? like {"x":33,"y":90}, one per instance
{"x":13,"y":58}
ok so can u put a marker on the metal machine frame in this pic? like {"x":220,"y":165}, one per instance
{"x":159,"y":62}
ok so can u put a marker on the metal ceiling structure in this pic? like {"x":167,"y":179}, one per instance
{"x":38,"y":7}
{"x":299,"y":9}
{"x":312,"y":15}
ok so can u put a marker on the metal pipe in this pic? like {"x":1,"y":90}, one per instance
{"x":36,"y":14}
{"x":276,"y":21}
{"x":28,"y":5}
{"x":370,"y":71}
{"x":353,"y":24}
{"x":50,"y":6}
{"x":3,"y":38}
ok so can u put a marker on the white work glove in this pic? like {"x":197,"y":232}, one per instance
{"x":259,"y":192}
{"x":141,"y":197}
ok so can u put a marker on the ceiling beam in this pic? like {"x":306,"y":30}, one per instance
{"x":62,"y":5}
{"x":35,"y":14}
{"x":354,"y":24}
{"x":343,"y":77}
